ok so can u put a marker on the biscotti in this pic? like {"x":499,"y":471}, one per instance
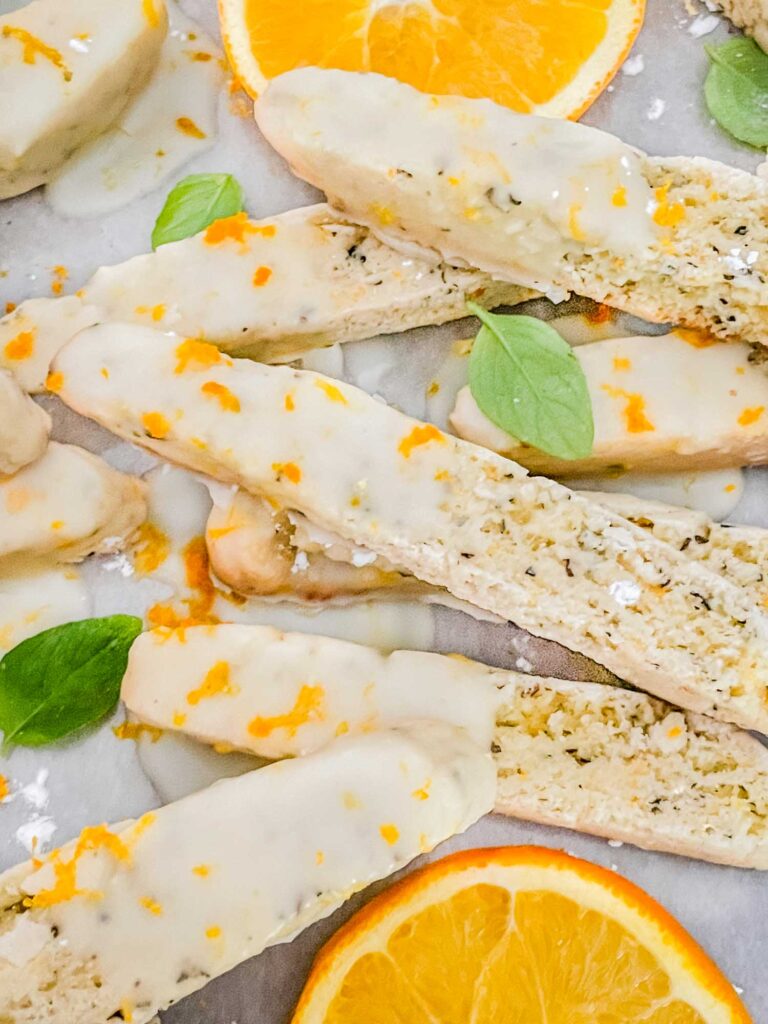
{"x":555,"y":205}
{"x":452,"y":514}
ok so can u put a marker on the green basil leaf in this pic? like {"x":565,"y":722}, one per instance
{"x":63,"y":679}
{"x":736,"y":90}
{"x":527,"y":381}
{"x":194,"y":203}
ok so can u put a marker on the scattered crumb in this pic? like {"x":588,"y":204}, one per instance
{"x":615,"y":843}
{"x":35,"y":834}
{"x":656,"y":109}
{"x":300,"y":563}
{"x":703,"y":25}
{"x":634,"y":65}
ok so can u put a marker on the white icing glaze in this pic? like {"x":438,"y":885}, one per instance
{"x":282,"y":847}
{"x":437,"y":167}
{"x":285,"y":694}
{"x":71,"y":68}
{"x":148,"y":143}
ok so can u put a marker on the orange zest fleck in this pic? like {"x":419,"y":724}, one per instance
{"x":666,"y":214}
{"x":34,"y":47}
{"x":600,"y":314}
{"x":573,"y":223}
{"x":390,"y":834}
{"x":383,"y":214}
{"x":331,"y":391}
{"x":95,"y":837}
{"x":620,"y":363}
{"x":201,"y":870}
{"x":156,"y":312}
{"x":289,"y":470}
{"x":141,"y":826}
{"x":179,"y":718}
{"x":633,"y":412}
{"x":319,"y":857}
{"x":420,"y":435}
{"x":134,"y":730}
{"x":229,"y":229}
{"x":54,"y":382}
{"x":152,"y":548}
{"x":188,"y":127}
{"x":198,"y":578}
{"x":729,"y":488}
{"x":200,"y":56}
{"x":151,"y":905}
{"x":9,"y":307}
{"x":750,"y":415}
{"x":214,"y":932}
{"x":57,"y":524}
{"x":228,"y":401}
{"x":308,"y":707}
{"x":156,"y":425}
{"x":151,"y":13}
{"x":197,"y":355}
{"x":261,"y":276}
{"x":60,"y":275}
{"x":5,"y":788}
{"x":20,"y":347}
{"x":619,"y":197}
{"x":289,"y":403}
{"x":217,"y":683}
{"x":699,"y":339}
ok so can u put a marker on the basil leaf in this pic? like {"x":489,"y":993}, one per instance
{"x":194,"y":203}
{"x":63,"y":679}
{"x":736,"y":90}
{"x":527,"y":381}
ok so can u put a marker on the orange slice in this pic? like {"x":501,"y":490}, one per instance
{"x":550,"y":57}
{"x":515,"y":935}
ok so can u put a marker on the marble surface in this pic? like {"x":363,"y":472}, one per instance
{"x":660,"y":109}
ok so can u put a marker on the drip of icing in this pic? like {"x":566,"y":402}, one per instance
{"x":172,"y":120}
{"x":34,"y":598}
{"x":715,"y":492}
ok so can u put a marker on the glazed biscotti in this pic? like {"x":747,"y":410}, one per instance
{"x":24,"y":426}
{"x":122,"y":923}
{"x":555,"y":205}
{"x":268,"y":289}
{"x":69,"y":95}
{"x":67,"y":505}
{"x":451,"y":514}
{"x":659,"y":404}
{"x":595,"y":758}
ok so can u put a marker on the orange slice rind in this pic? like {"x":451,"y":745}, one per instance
{"x":515,"y":935}
{"x":552,"y":58}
